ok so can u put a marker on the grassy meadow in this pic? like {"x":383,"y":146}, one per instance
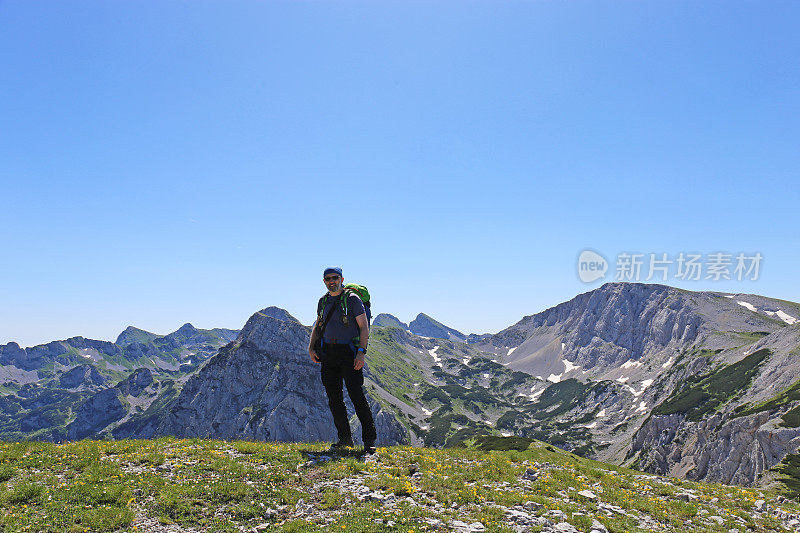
{"x":213,"y":485}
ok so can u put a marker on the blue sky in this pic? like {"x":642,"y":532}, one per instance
{"x":170,"y":162}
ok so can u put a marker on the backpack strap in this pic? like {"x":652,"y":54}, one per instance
{"x":324,"y":300}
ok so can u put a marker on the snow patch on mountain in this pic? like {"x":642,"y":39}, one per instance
{"x":789,"y":319}
{"x":535,"y":396}
{"x":646,"y":383}
{"x":747,"y":305}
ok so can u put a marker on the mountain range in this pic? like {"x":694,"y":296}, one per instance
{"x":695,"y":384}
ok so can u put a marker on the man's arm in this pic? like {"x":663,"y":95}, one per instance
{"x":313,"y":341}
{"x":363,"y":327}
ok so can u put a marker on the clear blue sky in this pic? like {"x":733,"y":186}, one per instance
{"x":170,"y":162}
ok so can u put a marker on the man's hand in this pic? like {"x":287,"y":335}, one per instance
{"x":313,"y":355}
{"x":359,"y":362}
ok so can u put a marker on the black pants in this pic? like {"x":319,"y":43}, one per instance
{"x":337,"y":365}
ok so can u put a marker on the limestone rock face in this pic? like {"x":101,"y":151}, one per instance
{"x":12,"y":354}
{"x":85,"y":376}
{"x":108,"y":405}
{"x":134,"y":384}
{"x":739,"y":442}
{"x":718,"y":449}
{"x":96,"y":413}
{"x":611,"y":325}
{"x":264,"y":386}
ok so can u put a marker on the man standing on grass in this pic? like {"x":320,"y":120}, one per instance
{"x":339,"y":342}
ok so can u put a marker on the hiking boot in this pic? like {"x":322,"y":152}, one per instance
{"x":341,"y":445}
{"x":369,"y":447}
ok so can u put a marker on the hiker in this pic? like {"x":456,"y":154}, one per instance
{"x":341,"y":319}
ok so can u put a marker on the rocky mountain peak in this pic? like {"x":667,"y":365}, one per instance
{"x":603,"y":328}
{"x":132,"y":335}
{"x":426,"y":326}
{"x":279,"y":314}
{"x":187,"y":329}
{"x":388,"y":321}
{"x":274,"y":330}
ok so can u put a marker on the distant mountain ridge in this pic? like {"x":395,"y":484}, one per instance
{"x":44,"y":388}
{"x":423,"y":325}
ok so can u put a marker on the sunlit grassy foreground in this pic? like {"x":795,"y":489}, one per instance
{"x":229,"y":486}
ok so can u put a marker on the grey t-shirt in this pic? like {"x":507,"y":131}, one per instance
{"x":336,"y":331}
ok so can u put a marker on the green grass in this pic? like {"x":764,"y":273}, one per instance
{"x":790,"y":468}
{"x":388,"y":361}
{"x":791,"y":394}
{"x":217,"y":485}
{"x":753,"y":336}
{"x":559,"y":398}
{"x":706,"y":393}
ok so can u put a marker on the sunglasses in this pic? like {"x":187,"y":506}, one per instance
{"x":331,"y":278}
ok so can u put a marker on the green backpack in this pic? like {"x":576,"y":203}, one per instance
{"x":350,"y":288}
{"x":362,"y":292}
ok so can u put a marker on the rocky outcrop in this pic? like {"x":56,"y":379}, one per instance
{"x":85,"y":376}
{"x":718,"y":449}
{"x":263,"y":386}
{"x":137,"y":382}
{"x":12,"y":354}
{"x":108,"y":406}
{"x":96,"y":413}
{"x":743,"y":437}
